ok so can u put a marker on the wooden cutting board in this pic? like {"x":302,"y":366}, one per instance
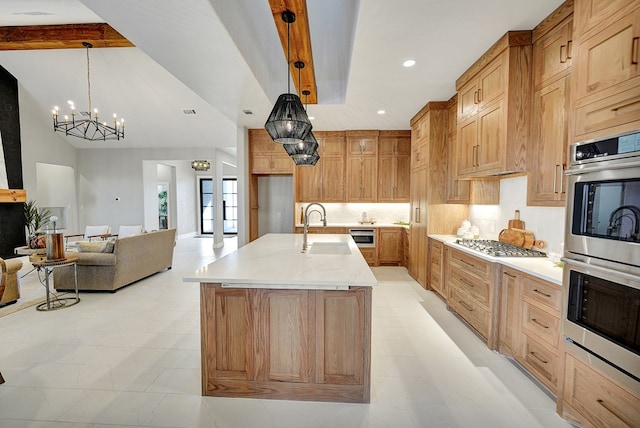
{"x":520,"y":237}
{"x":515,"y":222}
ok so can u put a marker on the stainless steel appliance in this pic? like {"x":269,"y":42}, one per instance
{"x":601,"y":278}
{"x":603,"y":202}
{"x":365,"y":238}
{"x":498,"y":249}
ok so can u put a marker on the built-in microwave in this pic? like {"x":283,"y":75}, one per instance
{"x":603,"y":202}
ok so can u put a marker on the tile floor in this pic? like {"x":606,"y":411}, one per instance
{"x":132,"y":358}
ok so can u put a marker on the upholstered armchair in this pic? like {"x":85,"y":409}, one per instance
{"x":9,"y":288}
{"x":125,"y":231}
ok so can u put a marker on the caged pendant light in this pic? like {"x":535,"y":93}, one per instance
{"x":288,"y":122}
{"x":304,"y":153}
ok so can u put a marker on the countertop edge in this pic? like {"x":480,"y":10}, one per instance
{"x":520,"y":263}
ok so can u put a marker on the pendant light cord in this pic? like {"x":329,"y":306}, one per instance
{"x":288,"y":59}
{"x":89,"y":82}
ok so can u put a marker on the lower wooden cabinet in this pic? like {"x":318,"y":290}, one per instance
{"x":472,"y":292}
{"x":389,"y":245}
{"x":286,"y":344}
{"x":530,"y":324}
{"x":595,"y":400}
{"x":370,"y":255}
{"x":436,"y":267}
{"x":406,"y":238}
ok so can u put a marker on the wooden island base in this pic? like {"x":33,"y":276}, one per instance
{"x":286,"y":344}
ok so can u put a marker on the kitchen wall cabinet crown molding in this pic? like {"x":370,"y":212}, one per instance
{"x":494,"y":97}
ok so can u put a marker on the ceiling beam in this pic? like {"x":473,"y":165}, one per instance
{"x":300,"y":45}
{"x":68,"y":36}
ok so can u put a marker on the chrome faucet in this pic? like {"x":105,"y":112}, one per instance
{"x":307,"y":212}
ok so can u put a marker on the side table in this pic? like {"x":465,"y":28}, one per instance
{"x":48,"y":266}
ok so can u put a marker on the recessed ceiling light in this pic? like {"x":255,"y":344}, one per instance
{"x":311,"y":117}
{"x":409,"y":63}
{"x":381,"y":112}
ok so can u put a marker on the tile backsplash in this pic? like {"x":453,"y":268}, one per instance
{"x":546,"y":223}
{"x":341,"y":213}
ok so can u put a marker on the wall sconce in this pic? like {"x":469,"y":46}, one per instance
{"x":201,"y":165}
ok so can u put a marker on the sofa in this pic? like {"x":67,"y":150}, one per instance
{"x":11,"y":292}
{"x":133,"y":258}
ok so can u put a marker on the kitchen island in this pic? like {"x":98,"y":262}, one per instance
{"x":280,"y":323}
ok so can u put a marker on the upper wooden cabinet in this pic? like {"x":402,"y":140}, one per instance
{"x":547,"y":151}
{"x":394,"y":166}
{"x":362,"y":166}
{"x":606,"y":72}
{"x":494,"y":105}
{"x":266,"y":156}
{"x":325,"y":182}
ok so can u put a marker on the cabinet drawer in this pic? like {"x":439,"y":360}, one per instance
{"x":468,"y":309}
{"x":541,"y":324}
{"x":477,"y":289}
{"x":470,"y":264}
{"x":542,"y":361}
{"x":542,"y":293}
{"x":598,"y":400}
{"x":614,"y":114}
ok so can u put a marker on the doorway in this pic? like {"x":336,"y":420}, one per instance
{"x":229,"y":206}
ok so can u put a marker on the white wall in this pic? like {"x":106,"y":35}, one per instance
{"x":546,"y":223}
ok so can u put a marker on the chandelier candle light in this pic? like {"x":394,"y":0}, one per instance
{"x":288,"y":122}
{"x":201,"y":165}
{"x":89,"y":129}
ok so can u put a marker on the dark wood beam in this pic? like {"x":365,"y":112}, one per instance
{"x":67,"y":36}
{"x":300,"y":44}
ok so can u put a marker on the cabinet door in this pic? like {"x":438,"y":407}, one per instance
{"x":389,"y":246}
{"x":492,"y":82}
{"x":386,"y":178}
{"x":467,"y":101}
{"x":436,"y":267}
{"x":333,"y":146}
{"x":590,"y":13}
{"x":343,"y":336}
{"x":510,"y":323}
{"x":457,"y":190}
{"x":362,"y":145}
{"x":403,"y":179}
{"x":285,"y":324}
{"x":361,"y":179}
{"x":309,"y":182}
{"x":229,"y":345}
{"x":281,"y":165}
{"x":333,"y":179}
{"x":491,"y":140}
{"x":609,"y":57}
{"x":546,"y":184}
{"x":552,"y":54}
{"x":467,"y":146}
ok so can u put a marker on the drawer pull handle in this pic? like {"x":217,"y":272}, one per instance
{"x":466,"y":306}
{"x":535,"y":290}
{"x":464,"y":281}
{"x":603,"y":404}
{"x":562,"y":57}
{"x":475,"y":97}
{"x":535,"y":355}
{"x":634,"y":51}
{"x":569,"y":42}
{"x":539,"y":323}
{"x":467,"y":263}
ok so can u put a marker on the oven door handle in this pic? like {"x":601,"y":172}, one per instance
{"x":629,"y":277}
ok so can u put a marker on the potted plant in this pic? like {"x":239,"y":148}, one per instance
{"x":34,"y":219}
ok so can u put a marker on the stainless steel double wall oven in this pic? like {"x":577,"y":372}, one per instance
{"x":601,"y":311}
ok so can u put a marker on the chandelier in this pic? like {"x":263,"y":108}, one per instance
{"x":288,"y":122}
{"x":88,"y":127}
{"x":201,"y":165}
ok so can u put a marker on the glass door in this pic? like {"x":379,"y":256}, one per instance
{"x":206,"y":206}
{"x":230,"y":205}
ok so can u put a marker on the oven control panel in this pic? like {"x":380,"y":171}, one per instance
{"x":623,"y":146}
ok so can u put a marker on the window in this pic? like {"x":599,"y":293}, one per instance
{"x":229,"y":206}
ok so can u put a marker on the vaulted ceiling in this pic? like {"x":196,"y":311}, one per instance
{"x":221,"y":58}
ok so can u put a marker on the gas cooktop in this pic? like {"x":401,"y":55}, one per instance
{"x":498,"y":249}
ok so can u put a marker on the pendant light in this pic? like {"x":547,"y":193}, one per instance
{"x":304,"y":153}
{"x":288,"y":122}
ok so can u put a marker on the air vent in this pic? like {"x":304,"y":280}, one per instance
{"x":84,"y":113}
{"x":247,"y":111}
{"x":189,"y":111}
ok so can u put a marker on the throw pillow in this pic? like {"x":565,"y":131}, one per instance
{"x":105,"y":246}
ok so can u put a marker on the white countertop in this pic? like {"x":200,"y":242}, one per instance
{"x":541,"y":267}
{"x":355,"y":225}
{"x":276,"y":261}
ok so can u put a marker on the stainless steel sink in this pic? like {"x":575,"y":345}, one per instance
{"x":331,"y":248}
